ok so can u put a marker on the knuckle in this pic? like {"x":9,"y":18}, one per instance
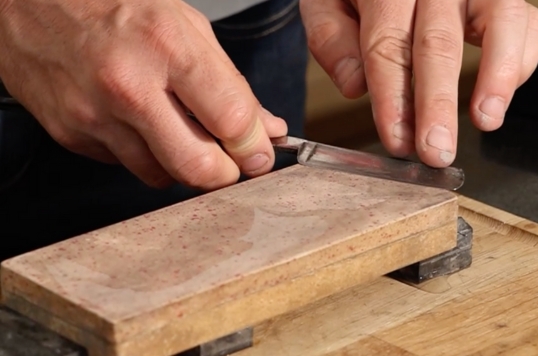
{"x":114,"y":79}
{"x":175,"y":49}
{"x":162,"y":33}
{"x":392,"y":45}
{"x":321,"y":33}
{"x":121,"y":88}
{"x":200,"y":171}
{"x":441,"y":45}
{"x":234,"y":121}
{"x":82,"y":113}
{"x":443,"y":102}
{"x":65,"y":139}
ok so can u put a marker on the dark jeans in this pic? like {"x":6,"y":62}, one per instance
{"x":61,"y":194}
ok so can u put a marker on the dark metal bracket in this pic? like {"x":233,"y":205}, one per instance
{"x":22,"y":336}
{"x":447,"y":263}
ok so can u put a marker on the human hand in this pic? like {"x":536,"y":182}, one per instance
{"x":110,"y":80}
{"x":382,"y":46}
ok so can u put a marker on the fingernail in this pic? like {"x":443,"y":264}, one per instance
{"x":440,"y":138}
{"x":344,"y":70}
{"x":492,"y":109}
{"x":255,"y":163}
{"x":403,"y":131}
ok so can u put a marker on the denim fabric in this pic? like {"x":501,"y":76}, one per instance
{"x":61,"y":194}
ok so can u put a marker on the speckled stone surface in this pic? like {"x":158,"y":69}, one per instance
{"x":120,"y":281}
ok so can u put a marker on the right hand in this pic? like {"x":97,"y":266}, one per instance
{"x":108,"y":79}
{"x":408,"y":56}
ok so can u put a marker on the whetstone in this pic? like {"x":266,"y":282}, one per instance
{"x":181,"y":276}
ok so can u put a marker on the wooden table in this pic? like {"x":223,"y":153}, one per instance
{"x":488,"y":309}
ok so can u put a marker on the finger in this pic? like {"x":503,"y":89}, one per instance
{"x":79,"y":143}
{"x":93,"y":150}
{"x":332,"y":31}
{"x":530,"y":57}
{"x":386,"y":42}
{"x":202,"y":24}
{"x":437,"y":56}
{"x":96,"y":152}
{"x":133,"y":152}
{"x":503,"y":48}
{"x":275,"y":126}
{"x":223,"y":103}
{"x":181,"y":146}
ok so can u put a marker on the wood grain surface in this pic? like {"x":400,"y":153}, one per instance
{"x":166,"y":281}
{"x":489,"y":309}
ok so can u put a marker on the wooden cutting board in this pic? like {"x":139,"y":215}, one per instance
{"x":489,"y":309}
{"x":172,"y":279}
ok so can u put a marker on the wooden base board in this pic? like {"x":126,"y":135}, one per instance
{"x":170,"y":280}
{"x":488,"y":309}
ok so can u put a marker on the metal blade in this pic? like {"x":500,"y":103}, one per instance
{"x":319,"y":155}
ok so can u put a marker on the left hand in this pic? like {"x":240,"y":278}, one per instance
{"x":380,"y":45}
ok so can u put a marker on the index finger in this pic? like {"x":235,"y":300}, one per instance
{"x":437,"y":57}
{"x":222,"y":101}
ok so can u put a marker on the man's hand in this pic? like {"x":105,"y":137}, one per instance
{"x":381,"y":45}
{"x":111,"y":80}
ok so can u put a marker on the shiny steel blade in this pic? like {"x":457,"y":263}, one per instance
{"x":345,"y":160}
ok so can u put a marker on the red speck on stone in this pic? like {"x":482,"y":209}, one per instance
{"x":180,"y":314}
{"x":351,"y":248}
{"x":184,"y":247}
